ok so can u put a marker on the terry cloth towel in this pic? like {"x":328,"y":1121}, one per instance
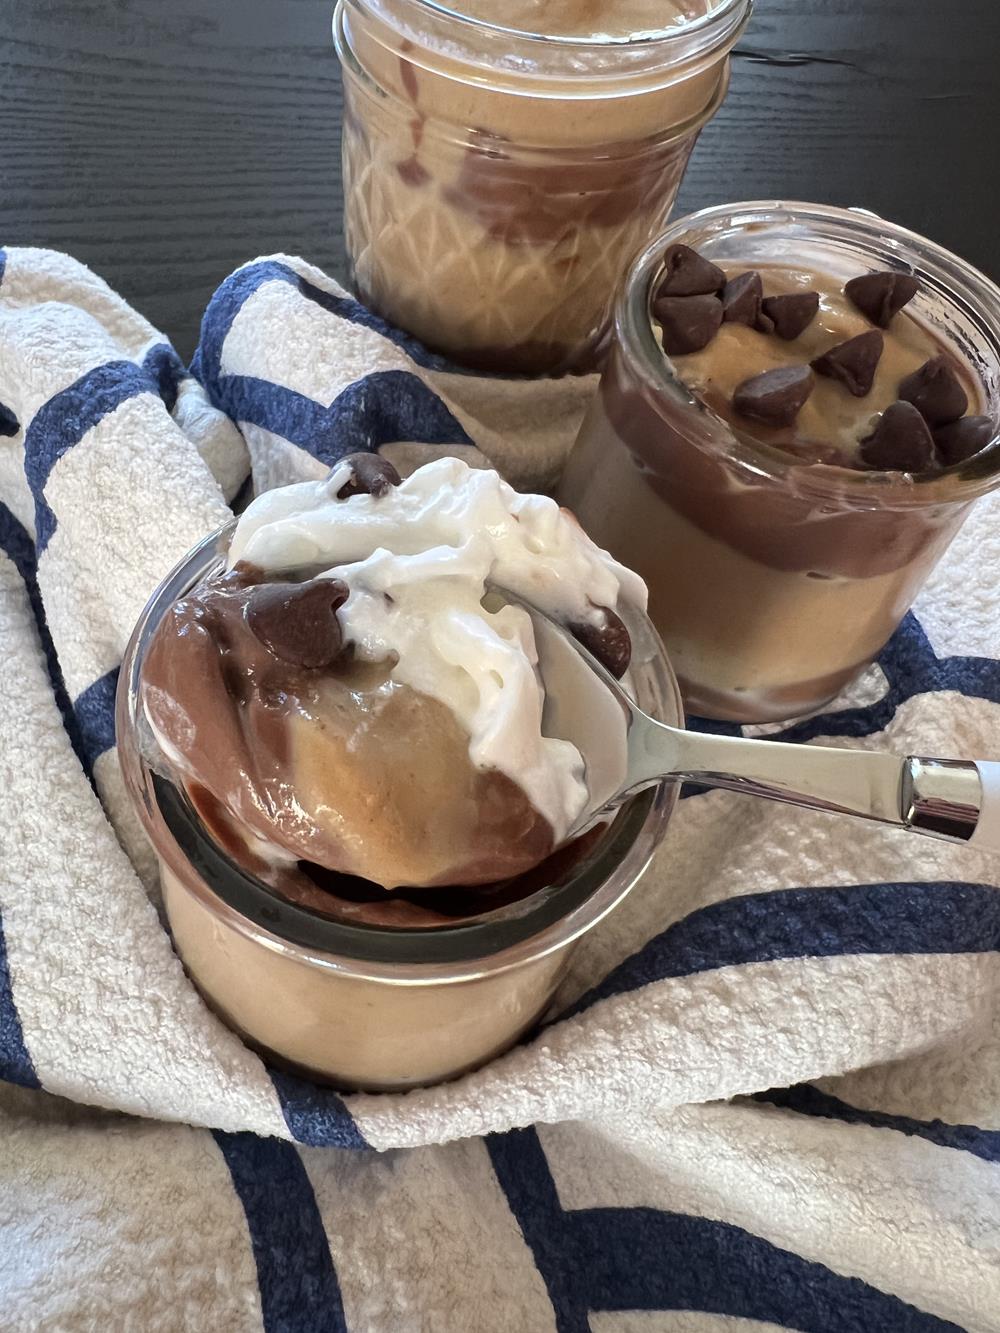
{"x":769,"y":1092}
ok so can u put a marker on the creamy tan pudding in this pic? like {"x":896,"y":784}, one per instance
{"x":343,"y":701}
{"x":496,"y":185}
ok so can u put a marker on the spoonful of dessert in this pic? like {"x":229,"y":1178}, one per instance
{"x":957,"y":800}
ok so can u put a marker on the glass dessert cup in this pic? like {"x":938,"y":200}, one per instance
{"x":773,"y":582}
{"x":496,"y":183}
{"x":361,"y":1006}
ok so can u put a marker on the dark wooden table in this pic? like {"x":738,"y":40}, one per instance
{"x":164,"y":142}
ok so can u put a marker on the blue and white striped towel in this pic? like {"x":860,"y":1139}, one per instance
{"x":632,"y":1168}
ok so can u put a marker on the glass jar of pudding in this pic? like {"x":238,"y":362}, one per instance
{"x":775,"y":577}
{"x":498,"y":179}
{"x":323,"y":984}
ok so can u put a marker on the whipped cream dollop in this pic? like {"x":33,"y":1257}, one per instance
{"x":419,"y":561}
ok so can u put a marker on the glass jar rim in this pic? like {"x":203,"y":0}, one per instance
{"x":545,"y":921}
{"x":515,"y":60}
{"x":963,"y":283}
{"x":710,"y":21}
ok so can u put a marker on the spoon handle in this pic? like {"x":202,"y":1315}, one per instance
{"x":954,"y":799}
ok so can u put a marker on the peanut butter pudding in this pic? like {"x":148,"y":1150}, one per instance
{"x":501,"y":165}
{"x":349,"y":698}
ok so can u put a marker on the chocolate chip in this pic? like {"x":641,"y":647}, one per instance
{"x":963,"y":438}
{"x":901,"y":442}
{"x":791,"y":314}
{"x":775,"y":398}
{"x":936,"y":391}
{"x":882,"y":295}
{"x":298,"y":622}
{"x":689,"y":323}
{"x":370,"y":475}
{"x":685,"y":273}
{"x":741,"y":300}
{"x":853,"y":363}
{"x":610,"y":643}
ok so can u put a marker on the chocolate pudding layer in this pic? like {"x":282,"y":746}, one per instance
{"x":494,"y":194}
{"x":780,"y":447}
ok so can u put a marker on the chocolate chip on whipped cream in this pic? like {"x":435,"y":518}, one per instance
{"x":370,"y":475}
{"x":298,"y":622}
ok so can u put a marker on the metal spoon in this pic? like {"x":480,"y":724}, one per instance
{"x":954,"y":799}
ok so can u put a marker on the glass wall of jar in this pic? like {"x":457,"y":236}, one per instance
{"x":497,"y":181}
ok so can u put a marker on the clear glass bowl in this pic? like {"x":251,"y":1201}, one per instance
{"x":773,"y":582}
{"x":366,"y":1006}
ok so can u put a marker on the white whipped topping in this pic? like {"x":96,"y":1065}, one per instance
{"x":418,"y":561}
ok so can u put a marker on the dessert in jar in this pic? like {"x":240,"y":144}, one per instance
{"x":332,"y":725}
{"x":497,"y":179}
{"x":799,"y":409}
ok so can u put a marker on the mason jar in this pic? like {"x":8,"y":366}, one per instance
{"x":774,"y":581}
{"x":363,"y":1005}
{"x":497,"y":181}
